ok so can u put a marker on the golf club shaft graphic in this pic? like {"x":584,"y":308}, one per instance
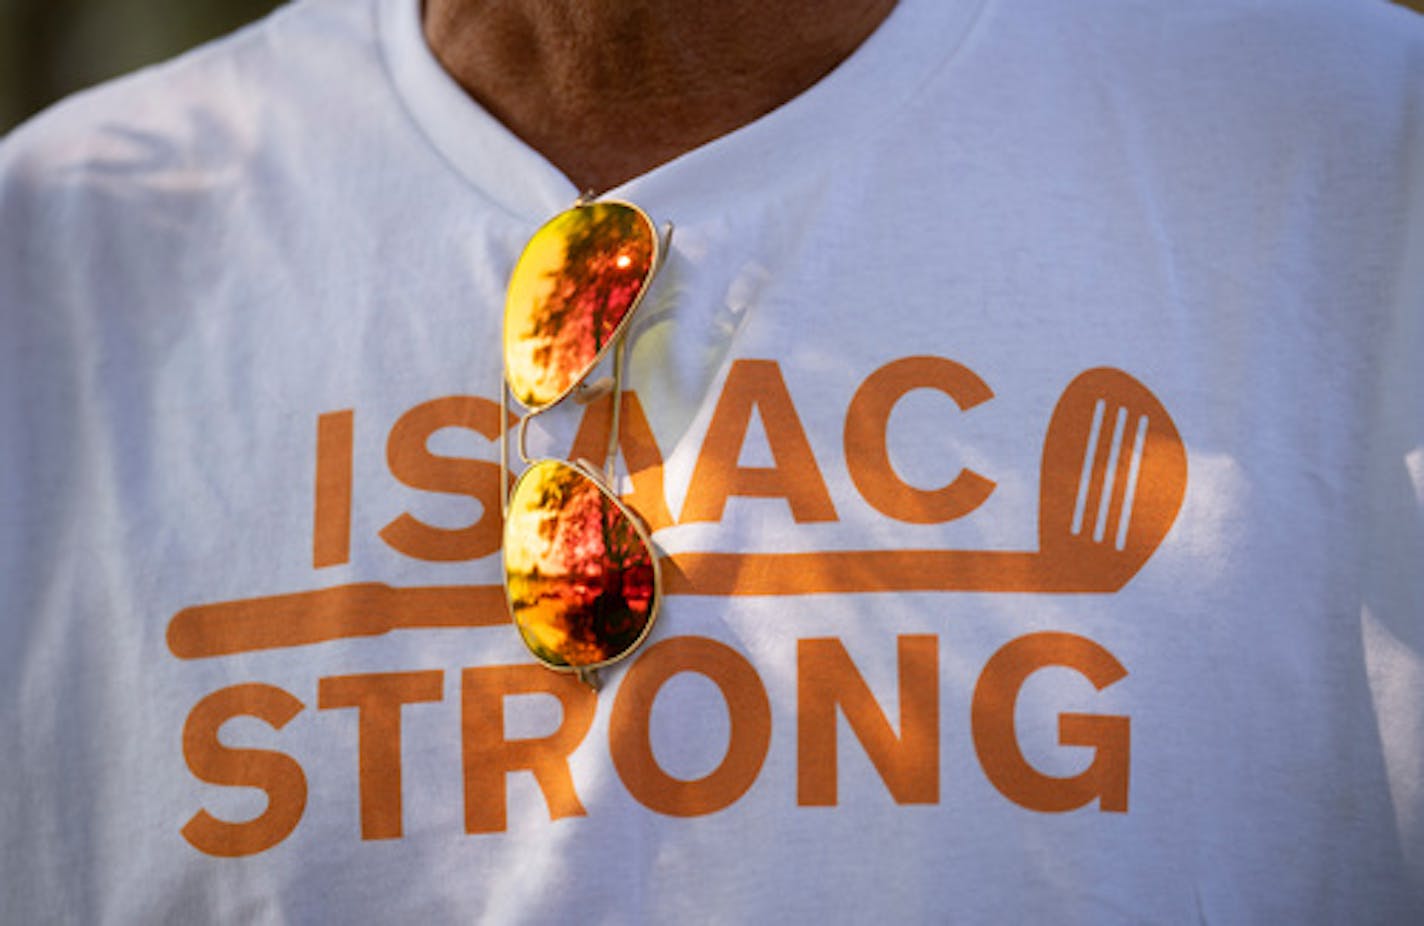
{"x":1112,"y":480}
{"x":370,"y":609}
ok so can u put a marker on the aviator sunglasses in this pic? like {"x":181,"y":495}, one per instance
{"x":580,"y":576}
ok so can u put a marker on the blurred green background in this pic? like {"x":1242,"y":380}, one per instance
{"x":50,"y":48}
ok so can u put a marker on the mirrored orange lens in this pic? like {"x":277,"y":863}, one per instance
{"x":579,"y":571}
{"x":575,"y":284}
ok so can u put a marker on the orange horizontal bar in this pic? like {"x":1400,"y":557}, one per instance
{"x":853,"y":571}
{"x":373,"y":608}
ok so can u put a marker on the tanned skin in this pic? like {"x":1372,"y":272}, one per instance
{"x":609,"y":89}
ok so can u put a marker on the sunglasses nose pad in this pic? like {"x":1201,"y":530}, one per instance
{"x":587,"y":392}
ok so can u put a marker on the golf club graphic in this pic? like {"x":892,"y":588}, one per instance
{"x":1113,"y":476}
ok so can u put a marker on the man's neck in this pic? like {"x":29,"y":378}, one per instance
{"x":608,"y":89}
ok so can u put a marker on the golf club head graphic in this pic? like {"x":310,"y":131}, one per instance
{"x":1113,"y":477}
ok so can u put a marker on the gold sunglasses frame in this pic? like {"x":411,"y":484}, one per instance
{"x":583,"y":392}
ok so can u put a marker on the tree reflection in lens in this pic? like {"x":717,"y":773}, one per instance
{"x":579,"y":575}
{"x":575,"y":283}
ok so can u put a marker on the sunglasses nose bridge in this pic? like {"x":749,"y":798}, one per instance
{"x":521,"y":439}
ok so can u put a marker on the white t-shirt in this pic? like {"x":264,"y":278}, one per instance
{"x":1031,"y":415}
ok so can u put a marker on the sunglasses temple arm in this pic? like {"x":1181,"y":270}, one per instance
{"x":610,"y":456}
{"x":620,"y":356}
